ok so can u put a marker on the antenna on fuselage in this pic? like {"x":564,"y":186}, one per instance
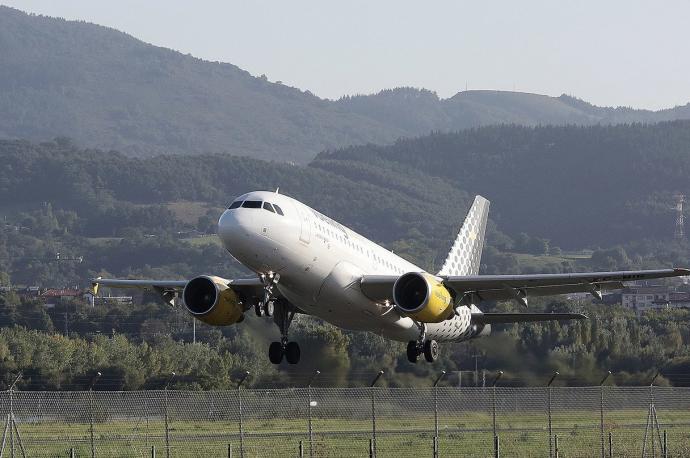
{"x":277,"y":189}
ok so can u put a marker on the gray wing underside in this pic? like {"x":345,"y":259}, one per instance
{"x":497,"y":318}
{"x":519,"y":287}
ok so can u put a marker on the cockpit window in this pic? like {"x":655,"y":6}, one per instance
{"x":251,"y":204}
{"x":235,"y":204}
{"x":269,"y":207}
{"x":278,"y":210}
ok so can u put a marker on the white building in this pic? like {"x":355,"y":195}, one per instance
{"x":648,"y":297}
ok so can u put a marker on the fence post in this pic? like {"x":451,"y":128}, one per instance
{"x":601,"y":411}
{"x":239,"y":411}
{"x":93,"y":445}
{"x":610,"y":444}
{"x":165,"y":415}
{"x":548,"y":392}
{"x":436,"y":413}
{"x":497,"y":447}
{"x":10,"y":419}
{"x":153,"y":451}
{"x":71,"y":452}
{"x":372,"y":451}
{"x":493,"y":398}
{"x":229,"y":450}
{"x":311,"y":431}
{"x":371,"y":448}
{"x":301,"y":449}
{"x":665,"y":445}
{"x":91,"y":407}
{"x":555,"y":445}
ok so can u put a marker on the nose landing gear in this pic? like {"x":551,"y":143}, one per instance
{"x":266,"y":306}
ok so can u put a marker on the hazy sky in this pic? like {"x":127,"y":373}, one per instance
{"x":632,"y":53}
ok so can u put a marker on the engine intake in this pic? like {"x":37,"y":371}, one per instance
{"x":210,"y":300}
{"x":422,"y":297}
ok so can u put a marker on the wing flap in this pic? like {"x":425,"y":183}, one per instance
{"x":479,"y":282}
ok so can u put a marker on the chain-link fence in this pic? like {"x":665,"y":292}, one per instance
{"x":339,"y":422}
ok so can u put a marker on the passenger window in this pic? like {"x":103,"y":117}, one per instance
{"x":235,"y":204}
{"x":269,"y":207}
{"x":278,"y":210}
{"x":251,"y":204}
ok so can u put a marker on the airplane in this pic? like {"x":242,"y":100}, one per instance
{"x":307,"y":263}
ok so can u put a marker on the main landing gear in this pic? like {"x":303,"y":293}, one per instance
{"x":415,"y":348}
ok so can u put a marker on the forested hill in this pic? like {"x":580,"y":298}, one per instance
{"x":577,"y":186}
{"x":108,"y":90}
{"x":68,"y":215}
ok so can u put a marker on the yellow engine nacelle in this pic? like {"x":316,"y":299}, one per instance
{"x":210,"y":300}
{"x":422,"y":297}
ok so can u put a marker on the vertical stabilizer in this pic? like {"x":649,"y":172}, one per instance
{"x":465,"y":255}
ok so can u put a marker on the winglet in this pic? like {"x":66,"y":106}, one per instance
{"x":94,"y":285}
{"x":681,"y":272}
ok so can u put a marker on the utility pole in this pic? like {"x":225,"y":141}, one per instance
{"x":679,"y":232}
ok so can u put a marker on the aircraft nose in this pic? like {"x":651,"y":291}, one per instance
{"x":232,"y":226}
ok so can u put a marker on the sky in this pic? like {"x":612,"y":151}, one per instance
{"x":610,"y":53}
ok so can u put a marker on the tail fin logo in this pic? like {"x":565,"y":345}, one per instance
{"x":465,"y":255}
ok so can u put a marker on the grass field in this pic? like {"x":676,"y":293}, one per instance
{"x":522,"y":434}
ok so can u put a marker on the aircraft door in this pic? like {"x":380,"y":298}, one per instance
{"x":305,"y":225}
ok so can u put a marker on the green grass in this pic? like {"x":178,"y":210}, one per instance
{"x":522,"y":434}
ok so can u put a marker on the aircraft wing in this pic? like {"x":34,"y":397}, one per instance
{"x":246,"y":288}
{"x":520,"y":287}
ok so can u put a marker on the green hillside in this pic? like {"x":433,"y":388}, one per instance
{"x":132,"y":217}
{"x":577,"y":186}
{"x":108,"y":90}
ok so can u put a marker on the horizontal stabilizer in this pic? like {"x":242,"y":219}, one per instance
{"x":493,"y":318}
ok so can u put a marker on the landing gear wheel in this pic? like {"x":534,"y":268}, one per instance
{"x":412,"y":351}
{"x":292,"y":352}
{"x":275,"y":352}
{"x":259,"y":310}
{"x":269,"y":308}
{"x":431,"y":350}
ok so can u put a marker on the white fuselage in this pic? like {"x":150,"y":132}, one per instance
{"x":320,"y":263}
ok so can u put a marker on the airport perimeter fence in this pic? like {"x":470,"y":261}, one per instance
{"x":349,"y":422}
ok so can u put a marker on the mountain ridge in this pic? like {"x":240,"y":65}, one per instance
{"x":109,"y":90}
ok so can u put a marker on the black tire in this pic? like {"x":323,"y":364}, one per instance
{"x":275,"y":352}
{"x":270,"y":308}
{"x":412,"y":353}
{"x":259,"y":310}
{"x":431,"y":350}
{"x":292,"y":352}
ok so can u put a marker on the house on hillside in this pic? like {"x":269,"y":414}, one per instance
{"x":52,"y":296}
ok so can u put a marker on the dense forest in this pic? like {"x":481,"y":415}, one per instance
{"x":156,"y":217}
{"x":109,"y":90}
{"x":577,"y":186}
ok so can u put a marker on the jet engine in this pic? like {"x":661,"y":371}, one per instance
{"x":422,"y":297}
{"x":210,"y":300}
